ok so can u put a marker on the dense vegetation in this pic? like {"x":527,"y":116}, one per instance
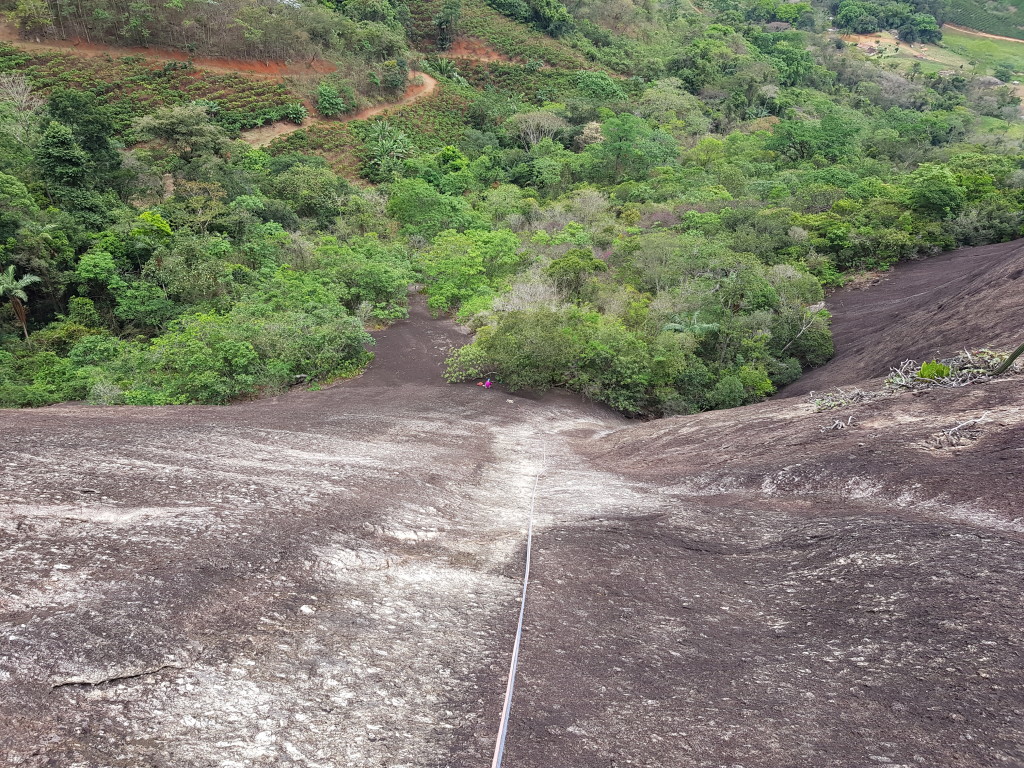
{"x":637,"y":202}
{"x":914,"y":22}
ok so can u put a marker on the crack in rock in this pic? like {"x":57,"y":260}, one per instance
{"x":128,"y":675}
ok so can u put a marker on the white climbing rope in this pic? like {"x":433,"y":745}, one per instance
{"x":499,"y":747}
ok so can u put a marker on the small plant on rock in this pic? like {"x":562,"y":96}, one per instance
{"x":933,"y":370}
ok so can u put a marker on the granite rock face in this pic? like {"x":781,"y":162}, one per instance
{"x":332,"y":579}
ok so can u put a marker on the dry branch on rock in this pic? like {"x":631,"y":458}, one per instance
{"x":841,"y":397}
{"x":839,"y":424}
{"x":963,"y":370}
{"x":956,"y":436}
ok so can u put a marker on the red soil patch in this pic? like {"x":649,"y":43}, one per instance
{"x":475,"y":49}
{"x":78,"y":47}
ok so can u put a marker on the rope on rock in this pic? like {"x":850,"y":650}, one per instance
{"x":499,"y":747}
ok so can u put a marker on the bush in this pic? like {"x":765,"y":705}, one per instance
{"x":330,"y":102}
{"x":539,"y":349}
{"x":32,"y":378}
{"x":295,"y":112}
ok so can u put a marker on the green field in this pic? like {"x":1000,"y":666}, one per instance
{"x":960,"y":51}
{"x":992,"y":126}
{"x":987,"y":52}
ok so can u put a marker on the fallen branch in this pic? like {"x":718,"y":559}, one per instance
{"x":840,"y":424}
{"x":965,"y":369}
{"x":840,"y":398}
{"x":953,"y":437}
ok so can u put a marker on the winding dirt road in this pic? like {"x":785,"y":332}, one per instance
{"x":254,"y":68}
{"x":420,"y":86}
{"x":331,"y":579}
{"x":264,"y":135}
{"x":976,"y":33}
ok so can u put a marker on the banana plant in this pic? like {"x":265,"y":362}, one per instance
{"x":13,"y":290}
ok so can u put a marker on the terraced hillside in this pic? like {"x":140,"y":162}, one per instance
{"x":996,"y":18}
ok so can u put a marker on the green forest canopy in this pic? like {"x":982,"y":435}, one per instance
{"x":649,"y":218}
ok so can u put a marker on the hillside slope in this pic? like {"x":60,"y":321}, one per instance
{"x":330,"y":579}
{"x":927,"y":309}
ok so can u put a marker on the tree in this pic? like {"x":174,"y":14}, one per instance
{"x":459,"y":265}
{"x":934,"y":190}
{"x":187,"y":131}
{"x":62,"y":162}
{"x":31,"y":16}
{"x":834,"y":138}
{"x":630,"y":148}
{"x":669,"y":104}
{"x":16,"y":90}
{"x":14,"y":291}
{"x":447,"y":23}
{"x":16,"y":206}
{"x":89,"y":120}
{"x":552,"y":17}
{"x":572,"y":272}
{"x":424,"y":211}
{"x":920,"y":27}
{"x":857,"y":17}
{"x":313,"y":191}
{"x":532,"y":127}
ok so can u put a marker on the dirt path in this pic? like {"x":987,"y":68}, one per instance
{"x":276,"y":70}
{"x":266,"y":69}
{"x":976,"y":33}
{"x":265,"y":134}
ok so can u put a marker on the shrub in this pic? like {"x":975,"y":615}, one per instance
{"x":295,"y":112}
{"x":330,"y":102}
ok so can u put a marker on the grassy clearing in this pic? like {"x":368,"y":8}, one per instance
{"x":994,"y":127}
{"x":960,"y":51}
{"x":987,"y":52}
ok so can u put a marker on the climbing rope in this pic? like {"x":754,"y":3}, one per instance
{"x":499,"y":747}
